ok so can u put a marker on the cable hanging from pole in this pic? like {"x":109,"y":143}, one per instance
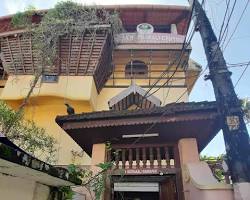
{"x":177,"y":60}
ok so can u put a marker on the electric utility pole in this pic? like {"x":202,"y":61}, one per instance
{"x":234,"y":128}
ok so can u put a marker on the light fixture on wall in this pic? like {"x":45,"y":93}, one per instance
{"x":141,"y":135}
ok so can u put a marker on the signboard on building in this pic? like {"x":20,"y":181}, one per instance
{"x":148,"y":171}
{"x":149,"y":38}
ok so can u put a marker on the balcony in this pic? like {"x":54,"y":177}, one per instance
{"x":144,"y":159}
{"x":84,"y":55}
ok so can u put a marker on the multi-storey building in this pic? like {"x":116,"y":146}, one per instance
{"x":128,"y":94}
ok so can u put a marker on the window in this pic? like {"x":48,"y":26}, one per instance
{"x":49,"y":78}
{"x":136,"y":69}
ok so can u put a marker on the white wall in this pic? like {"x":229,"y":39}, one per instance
{"x":15,"y":188}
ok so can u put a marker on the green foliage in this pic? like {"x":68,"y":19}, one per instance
{"x":26,"y":134}
{"x":23,"y":19}
{"x":105,"y":166}
{"x":77,"y":172}
{"x":5,"y":151}
{"x":245,"y":104}
{"x":108,"y":146}
{"x":215,"y":163}
{"x":67,"y":192}
{"x":98,"y":185}
{"x":65,"y":19}
{"x":96,"y":182}
{"x":9,"y":119}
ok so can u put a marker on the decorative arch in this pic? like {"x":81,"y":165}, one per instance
{"x":132,"y":97}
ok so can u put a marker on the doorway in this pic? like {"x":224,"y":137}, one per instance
{"x":145,"y":188}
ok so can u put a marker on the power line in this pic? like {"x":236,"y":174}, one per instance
{"x":240,"y":64}
{"x":184,"y":46}
{"x":239,"y":20}
{"x":178,"y":64}
{"x":242,"y":74}
{"x":221,"y":37}
{"x":162,"y":115}
{"x":152,"y":125}
{"x":223,"y":21}
{"x":228,"y":20}
{"x":147,"y":130}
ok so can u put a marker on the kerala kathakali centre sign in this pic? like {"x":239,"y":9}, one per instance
{"x":152,"y":38}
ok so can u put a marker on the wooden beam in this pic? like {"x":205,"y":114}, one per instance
{"x":69,"y":54}
{"x":90,"y":52}
{"x":167,"y":155}
{"x":59,"y":57}
{"x":137,"y":155}
{"x":31,"y":54}
{"x":150,"y":78}
{"x":12,"y":60}
{"x":101,"y":66}
{"x":117,"y":158}
{"x":21,"y":53}
{"x":144,"y":157}
{"x":151,"y":157}
{"x":130,"y":157}
{"x":123,"y":158}
{"x":79,"y":53}
{"x":146,"y":86}
{"x":158,"y":151}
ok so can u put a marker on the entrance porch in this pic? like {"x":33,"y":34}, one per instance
{"x":148,"y":171}
{"x":150,"y":146}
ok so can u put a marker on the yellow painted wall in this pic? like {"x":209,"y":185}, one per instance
{"x":107,"y":93}
{"x":2,"y":84}
{"x":43,"y":110}
{"x":48,"y":100}
{"x":165,"y":95}
{"x":71,"y":87}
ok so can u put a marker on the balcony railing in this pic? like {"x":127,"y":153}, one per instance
{"x":143,"y":156}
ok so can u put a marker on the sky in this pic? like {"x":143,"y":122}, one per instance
{"x":237,"y":51}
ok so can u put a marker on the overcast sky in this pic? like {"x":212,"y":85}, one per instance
{"x":237,"y":51}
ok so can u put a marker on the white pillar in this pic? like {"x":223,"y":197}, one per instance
{"x":188,"y":151}
{"x":98,"y":156}
{"x":174,"y":29}
{"x":241,"y":191}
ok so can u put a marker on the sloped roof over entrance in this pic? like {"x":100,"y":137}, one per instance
{"x":133,"y":95}
{"x":171,"y":123}
{"x":16,"y":162}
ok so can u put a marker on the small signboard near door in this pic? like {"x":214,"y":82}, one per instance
{"x":136,"y":187}
{"x":163,"y":188}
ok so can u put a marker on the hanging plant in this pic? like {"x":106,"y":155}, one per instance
{"x":65,"y":19}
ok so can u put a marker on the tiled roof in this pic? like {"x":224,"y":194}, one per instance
{"x":168,"y":109}
{"x":174,"y":121}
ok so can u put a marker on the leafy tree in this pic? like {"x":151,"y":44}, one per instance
{"x":245,"y":104}
{"x":26,"y":134}
{"x":65,"y":19}
{"x":215,"y":163}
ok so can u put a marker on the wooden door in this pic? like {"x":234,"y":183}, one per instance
{"x":168,"y":189}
